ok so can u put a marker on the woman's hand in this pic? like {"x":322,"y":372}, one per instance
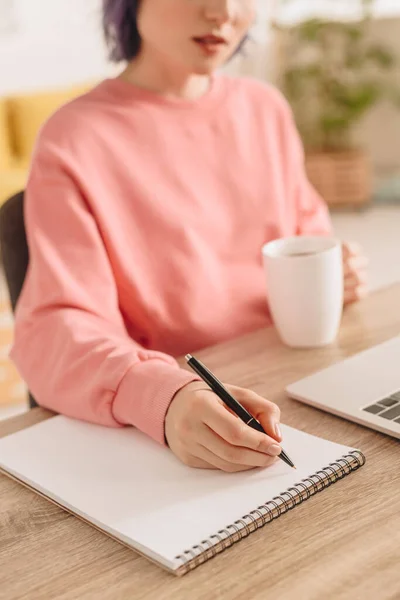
{"x":204,"y":434}
{"x":355,"y":266}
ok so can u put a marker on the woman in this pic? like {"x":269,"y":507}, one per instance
{"x":148,"y":202}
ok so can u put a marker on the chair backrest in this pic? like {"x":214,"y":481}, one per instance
{"x":14,"y":250}
{"x":13,"y":244}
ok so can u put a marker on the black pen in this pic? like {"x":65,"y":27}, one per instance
{"x":229,"y":400}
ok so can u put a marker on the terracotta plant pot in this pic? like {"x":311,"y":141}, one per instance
{"x":341,"y":178}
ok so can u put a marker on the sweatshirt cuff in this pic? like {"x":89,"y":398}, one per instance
{"x":145,"y":393}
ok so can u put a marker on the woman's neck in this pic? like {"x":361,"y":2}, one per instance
{"x":169,"y":82}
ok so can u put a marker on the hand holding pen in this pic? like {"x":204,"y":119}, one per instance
{"x":231,"y":402}
{"x":204,"y":434}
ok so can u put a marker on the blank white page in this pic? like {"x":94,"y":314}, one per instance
{"x":135,"y":489}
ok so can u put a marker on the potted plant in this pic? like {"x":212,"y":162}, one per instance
{"x":333,"y":74}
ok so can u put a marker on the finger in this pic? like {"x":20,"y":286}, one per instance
{"x":355,"y":294}
{"x":232,"y":429}
{"x":355,"y":264}
{"x":219,"y":463}
{"x":262,"y":409}
{"x":355,"y":280}
{"x":236,"y":454}
{"x":351,"y":249}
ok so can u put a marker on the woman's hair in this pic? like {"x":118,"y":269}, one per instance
{"x":121,"y":31}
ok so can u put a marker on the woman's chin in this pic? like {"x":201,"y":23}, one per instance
{"x":206,"y":67}
{"x":204,"y":62}
{"x":204,"y":71}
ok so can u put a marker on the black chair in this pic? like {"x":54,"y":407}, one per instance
{"x":14,"y":250}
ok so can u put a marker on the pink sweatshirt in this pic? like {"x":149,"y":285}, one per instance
{"x":145,"y":219}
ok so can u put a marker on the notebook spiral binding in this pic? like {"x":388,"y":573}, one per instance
{"x":207,"y":549}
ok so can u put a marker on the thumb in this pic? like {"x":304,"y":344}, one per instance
{"x":266,"y":412}
{"x":351,"y":249}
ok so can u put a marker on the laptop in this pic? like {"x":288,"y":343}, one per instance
{"x":364,"y":388}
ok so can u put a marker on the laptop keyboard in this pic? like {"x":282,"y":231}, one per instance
{"x":387,"y":408}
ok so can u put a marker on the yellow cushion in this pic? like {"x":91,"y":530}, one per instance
{"x":5,"y":149}
{"x":12,"y":180}
{"x":29,"y":112}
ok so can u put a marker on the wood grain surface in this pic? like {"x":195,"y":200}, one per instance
{"x":344,"y":543}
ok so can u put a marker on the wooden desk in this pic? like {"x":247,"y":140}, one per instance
{"x":342,"y":544}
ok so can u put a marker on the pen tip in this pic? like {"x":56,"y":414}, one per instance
{"x":294,"y":467}
{"x":188,"y":356}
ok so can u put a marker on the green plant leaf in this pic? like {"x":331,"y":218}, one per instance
{"x":334,"y":75}
{"x":296,"y":80}
{"x":356,"y":98}
{"x":310,"y":30}
{"x":334,"y":123}
{"x":381,"y":56}
{"x":354,"y":32}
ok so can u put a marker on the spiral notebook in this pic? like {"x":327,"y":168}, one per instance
{"x":137,"y":492}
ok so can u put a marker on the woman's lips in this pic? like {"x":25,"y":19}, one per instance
{"x":210,"y":44}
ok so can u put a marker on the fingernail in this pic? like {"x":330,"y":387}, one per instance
{"x":274,"y":450}
{"x":278,"y":431}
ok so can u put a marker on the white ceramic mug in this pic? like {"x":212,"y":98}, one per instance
{"x":305,"y":289}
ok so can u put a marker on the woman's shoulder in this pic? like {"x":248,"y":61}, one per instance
{"x":77,"y":116}
{"x":261,"y":94}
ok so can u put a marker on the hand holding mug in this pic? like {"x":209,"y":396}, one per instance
{"x":355,"y":272}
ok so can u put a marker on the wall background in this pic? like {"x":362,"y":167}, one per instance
{"x":56,"y":42}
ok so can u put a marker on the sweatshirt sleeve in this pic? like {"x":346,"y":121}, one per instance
{"x":312,"y":215}
{"x":71,"y":345}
